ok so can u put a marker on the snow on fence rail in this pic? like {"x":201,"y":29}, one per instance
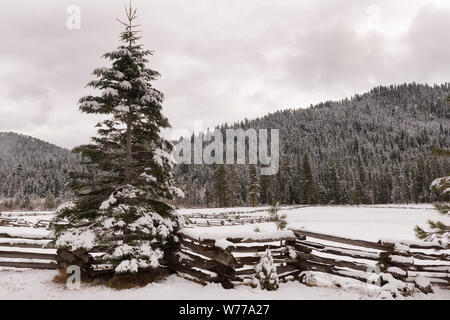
{"x":231,"y":217}
{"x":18,"y":222}
{"x":19,"y":252}
{"x":225,"y":219}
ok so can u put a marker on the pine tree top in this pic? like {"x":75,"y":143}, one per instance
{"x":126,"y":85}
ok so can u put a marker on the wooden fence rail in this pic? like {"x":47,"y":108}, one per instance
{"x":19,"y":222}
{"x":16,"y":252}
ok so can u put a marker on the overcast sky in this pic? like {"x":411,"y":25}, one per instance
{"x":220,"y":60}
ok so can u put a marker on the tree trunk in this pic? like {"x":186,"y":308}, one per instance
{"x":128,"y":151}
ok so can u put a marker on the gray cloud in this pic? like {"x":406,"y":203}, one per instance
{"x":220,"y":60}
{"x":427,"y":45}
{"x":22,"y":90}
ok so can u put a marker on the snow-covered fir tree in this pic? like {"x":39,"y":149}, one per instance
{"x":438,"y":231}
{"x":124,"y":208}
{"x":266,"y":273}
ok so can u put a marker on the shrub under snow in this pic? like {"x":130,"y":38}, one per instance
{"x":266,"y":273}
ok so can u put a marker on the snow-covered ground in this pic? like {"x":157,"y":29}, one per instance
{"x":35,"y":284}
{"x":372,"y":223}
{"x":394,"y":222}
{"x":366,"y":223}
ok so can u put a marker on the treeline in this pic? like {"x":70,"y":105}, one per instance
{"x":297,"y":182}
{"x":28,"y":203}
{"x":373,"y":148}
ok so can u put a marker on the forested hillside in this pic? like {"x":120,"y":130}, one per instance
{"x":32,"y":169}
{"x":373,"y":148}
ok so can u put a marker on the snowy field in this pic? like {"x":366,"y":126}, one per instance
{"x":393,"y":222}
{"x":372,"y":223}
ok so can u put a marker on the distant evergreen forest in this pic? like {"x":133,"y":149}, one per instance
{"x":372,"y":148}
{"x":33,"y":172}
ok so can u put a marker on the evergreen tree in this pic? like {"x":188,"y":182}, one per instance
{"x":26,"y":203}
{"x":233,"y":190}
{"x":438,"y":231}
{"x":254,"y":188}
{"x":299,"y":182}
{"x":334,"y":181}
{"x":220,"y":185}
{"x":360,"y":182}
{"x":280,"y":220}
{"x":207,"y":195}
{"x":18,"y":202}
{"x":20,"y":171}
{"x":50,"y":202}
{"x":123,"y":209}
{"x":272,"y":189}
{"x":264,"y":193}
{"x":266,"y":273}
{"x":283,"y":181}
{"x":308,"y":182}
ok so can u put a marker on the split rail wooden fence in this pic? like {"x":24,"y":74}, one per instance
{"x":231,"y":262}
{"x":205,"y":261}
{"x":19,"y":252}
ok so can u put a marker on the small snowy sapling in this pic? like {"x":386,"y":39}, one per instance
{"x":266,"y":273}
